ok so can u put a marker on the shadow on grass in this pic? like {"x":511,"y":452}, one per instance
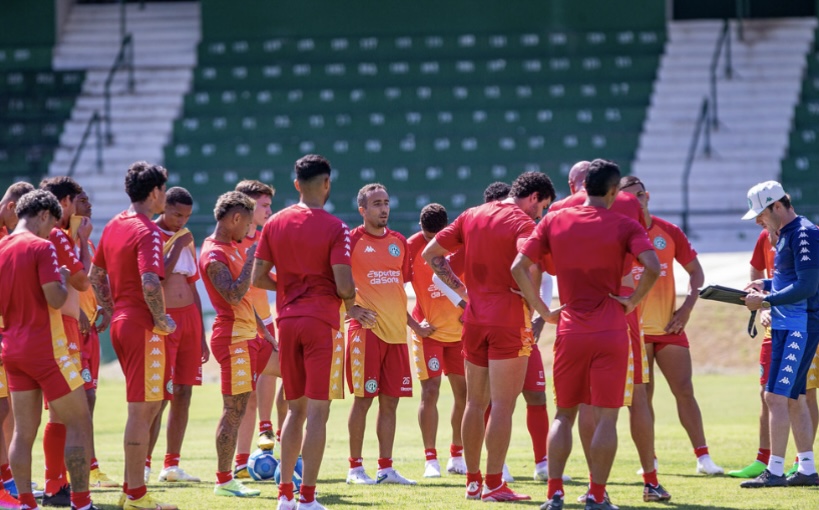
{"x":335,"y":499}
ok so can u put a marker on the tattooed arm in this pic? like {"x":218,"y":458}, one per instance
{"x":435,"y":255}
{"x":261,"y":277}
{"x":231,"y":290}
{"x":99,"y":281}
{"x":155,"y":299}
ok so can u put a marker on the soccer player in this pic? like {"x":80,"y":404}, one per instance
{"x":497,"y":332}
{"x":227,"y":282}
{"x":762,"y":266}
{"x":588,"y":245}
{"x":185,"y":349}
{"x":377,"y":355}
{"x":89,"y":315}
{"x":57,"y":492}
{"x":35,"y":346}
{"x":793,"y":298}
{"x":267,"y":359}
{"x":664,"y":323}
{"x":440,"y":352}
{"x":126,"y":275}
{"x":310,"y":249}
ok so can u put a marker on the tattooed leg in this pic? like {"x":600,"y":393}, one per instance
{"x":234,"y":407}
{"x":136,"y":439}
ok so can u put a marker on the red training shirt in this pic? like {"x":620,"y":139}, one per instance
{"x":764,"y":253}
{"x":234,"y":323}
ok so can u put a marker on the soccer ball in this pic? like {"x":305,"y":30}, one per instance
{"x":296,"y":475}
{"x":262,"y":465}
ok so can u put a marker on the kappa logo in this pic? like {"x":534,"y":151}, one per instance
{"x":338,"y":348}
{"x":788,"y":369}
{"x":240,"y":361}
{"x":790,"y":357}
{"x":72,"y":346}
{"x":155,"y":389}
{"x":660,"y":243}
{"x":434,"y":364}
{"x":241,"y":373}
{"x":804,"y":243}
{"x":371,"y":386}
{"x":794,"y":346}
{"x":73,"y":375}
{"x":239,"y":351}
{"x":155,"y":339}
{"x":785,"y":381}
{"x":156,"y":364}
{"x":369,"y":249}
{"x":155,"y":377}
{"x":797,"y":334}
{"x":805,"y":258}
{"x":356,"y":350}
{"x":804,"y":250}
{"x":338,"y":361}
{"x":156,"y":352}
{"x":356,"y":363}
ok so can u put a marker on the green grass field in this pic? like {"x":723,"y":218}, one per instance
{"x":729,"y":405}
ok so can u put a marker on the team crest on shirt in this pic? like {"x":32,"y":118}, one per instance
{"x":394,"y":250}
{"x":660,"y":243}
{"x":434,"y":364}
{"x":371,"y":386}
{"x":169,"y":387}
{"x":86,"y":375}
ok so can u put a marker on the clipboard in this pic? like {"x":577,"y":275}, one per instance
{"x":730,"y":296}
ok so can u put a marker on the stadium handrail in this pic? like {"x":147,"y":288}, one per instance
{"x":724,"y":39}
{"x":123,"y":16}
{"x":703,"y":125}
{"x":95,"y":121}
{"x":743,"y":11}
{"x":125,"y":58}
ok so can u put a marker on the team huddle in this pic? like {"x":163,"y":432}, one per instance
{"x":483,"y":285}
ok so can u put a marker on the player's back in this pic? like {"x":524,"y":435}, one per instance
{"x":625,"y":204}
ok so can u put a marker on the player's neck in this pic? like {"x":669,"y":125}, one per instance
{"x":374,"y":230}
{"x":28,"y":224}
{"x":221,"y":234}
{"x":597,"y":202}
{"x":649,"y":219}
{"x":160,"y":222}
{"x":141,"y":208}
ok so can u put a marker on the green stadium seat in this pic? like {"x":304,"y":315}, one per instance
{"x":25,"y":58}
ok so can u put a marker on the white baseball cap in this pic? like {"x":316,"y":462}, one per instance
{"x":761,"y":196}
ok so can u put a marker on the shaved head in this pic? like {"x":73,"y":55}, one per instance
{"x":577,"y":175}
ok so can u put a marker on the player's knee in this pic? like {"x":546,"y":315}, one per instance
{"x":534,"y":398}
{"x":182,"y":394}
{"x":430,"y":391}
{"x":387,"y":404}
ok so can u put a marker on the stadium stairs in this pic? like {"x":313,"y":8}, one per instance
{"x":755,"y":107}
{"x":165,"y":37}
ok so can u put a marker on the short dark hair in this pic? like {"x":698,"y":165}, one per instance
{"x":366,"y":190}
{"x":142,"y":178}
{"x":61,"y":187}
{"x":785,"y":201}
{"x":602,"y":176}
{"x":17,"y":190}
{"x":631,"y":180}
{"x":178,"y":195}
{"x":433,"y":218}
{"x":496,"y":191}
{"x":310,"y":166}
{"x":33,"y":202}
{"x":231,"y":200}
{"x":533,"y":182}
{"x":255,"y":189}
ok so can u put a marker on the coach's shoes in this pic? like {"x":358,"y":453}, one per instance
{"x":61,"y":498}
{"x":97,"y":478}
{"x":390,"y":475}
{"x":802,"y":480}
{"x":706,"y":466}
{"x":236,"y":489}
{"x":473,"y":490}
{"x":432,"y":469}
{"x":267,"y":440}
{"x":501,"y":494}
{"x":176,"y":474}
{"x":286,"y":504}
{"x":556,"y":503}
{"x":655,"y":493}
{"x":641,"y":471}
{"x":357,"y":476}
{"x":766,"y":479}
{"x":146,"y":502}
{"x":456,"y":466}
{"x":750,"y":471}
{"x":506,"y":476}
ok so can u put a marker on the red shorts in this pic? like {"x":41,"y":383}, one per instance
{"x":433,"y":358}
{"x":765,"y":359}
{"x":591,"y":369}
{"x":484,"y":343}
{"x":91,"y":359}
{"x":184,"y":346}
{"x":638,"y":348}
{"x":311,"y":354}
{"x":237,"y":361}
{"x":660,"y":341}
{"x":142,"y":356}
{"x":264,"y":349}
{"x":74,"y":337}
{"x":535,"y":377}
{"x":375,"y":367}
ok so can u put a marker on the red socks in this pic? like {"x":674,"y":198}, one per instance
{"x":286,"y":490}
{"x":702,"y":450}
{"x":80,"y":500}
{"x":224,"y":477}
{"x":307,"y":494}
{"x":474,"y":477}
{"x":651,"y":478}
{"x":493,"y":481}
{"x":431,"y":453}
{"x":265,"y":426}
{"x":54,"y":450}
{"x":279,"y":435}
{"x":356,"y":463}
{"x":148,"y":462}
{"x":94,"y":464}
{"x":384,"y":463}
{"x":555,"y":487}
{"x":763,"y":455}
{"x":5,"y":473}
{"x":241,"y":460}
{"x":598,"y":492}
{"x":27,"y":500}
{"x":172,"y":459}
{"x":138,"y":493}
{"x":537,"y":421}
{"x":456,"y":450}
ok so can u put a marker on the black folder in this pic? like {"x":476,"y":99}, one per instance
{"x":731,"y":296}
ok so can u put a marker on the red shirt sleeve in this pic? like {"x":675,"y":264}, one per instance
{"x":214,"y":255}
{"x":684,"y":253}
{"x":414,"y":246}
{"x":150,"y":258}
{"x":341,"y":246}
{"x":263,"y":250}
{"x":99,"y":253}
{"x":638,"y":240}
{"x":48,"y":269}
{"x":758,"y":257}
{"x":406,"y":266}
{"x":537,"y":245}
{"x":451,"y":237}
{"x":65,"y":251}
{"x":458,"y":263}
{"x":525,"y":229}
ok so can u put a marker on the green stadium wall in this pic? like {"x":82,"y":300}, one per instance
{"x":28,"y":23}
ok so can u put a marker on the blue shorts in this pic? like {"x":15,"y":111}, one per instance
{"x":791,"y":356}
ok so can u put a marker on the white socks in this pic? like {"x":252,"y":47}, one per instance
{"x":776,"y":465}
{"x":806,"y":464}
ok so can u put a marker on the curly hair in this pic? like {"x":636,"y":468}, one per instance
{"x":142,"y":178}
{"x":533,"y":182}
{"x":33,"y":202}
{"x":231,"y":201}
{"x":496,"y":191}
{"x":61,"y":186}
{"x":434,"y":218}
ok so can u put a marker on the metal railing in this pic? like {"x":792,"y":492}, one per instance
{"x":125,"y":58}
{"x":743,"y":12}
{"x":95,"y":123}
{"x":702,"y":127}
{"x":724,"y":39}
{"x":123,"y":16}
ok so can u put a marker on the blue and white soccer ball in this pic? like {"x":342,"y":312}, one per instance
{"x":262,"y":465}
{"x":296,"y":475}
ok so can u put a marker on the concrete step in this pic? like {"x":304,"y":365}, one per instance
{"x":98,"y":61}
{"x":113,"y":156}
